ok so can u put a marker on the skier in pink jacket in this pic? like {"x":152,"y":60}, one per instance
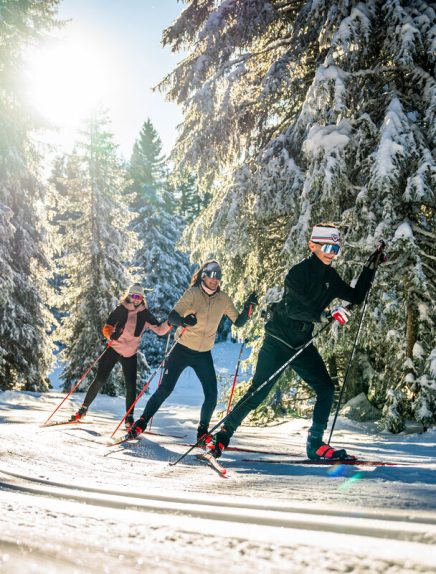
{"x":124,"y":327}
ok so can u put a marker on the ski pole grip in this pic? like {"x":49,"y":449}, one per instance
{"x":381,"y":245}
{"x":381,"y":257}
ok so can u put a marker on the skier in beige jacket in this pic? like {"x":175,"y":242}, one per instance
{"x":198,"y":314}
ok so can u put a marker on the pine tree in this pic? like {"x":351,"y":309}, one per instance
{"x":163,"y":267}
{"x":300,"y":112}
{"x":191,"y":203}
{"x":25,"y":350}
{"x":94,"y":245}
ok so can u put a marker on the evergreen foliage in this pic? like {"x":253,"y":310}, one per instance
{"x":25,"y":349}
{"x":191,"y":202}
{"x":306,"y":111}
{"x":163,"y":268}
{"x":93,"y":248}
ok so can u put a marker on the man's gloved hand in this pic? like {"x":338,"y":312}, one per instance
{"x":376,"y":258}
{"x":251,"y":300}
{"x":189,"y":320}
{"x":340,"y":314}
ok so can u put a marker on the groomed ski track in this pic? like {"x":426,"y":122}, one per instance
{"x":393,"y":525}
{"x":282,"y":525}
{"x":71,"y":505}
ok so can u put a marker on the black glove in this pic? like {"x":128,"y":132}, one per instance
{"x":116,"y":334}
{"x":376,"y":258}
{"x":189,"y":320}
{"x":251,"y":300}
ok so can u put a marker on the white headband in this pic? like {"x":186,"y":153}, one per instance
{"x":325,"y":234}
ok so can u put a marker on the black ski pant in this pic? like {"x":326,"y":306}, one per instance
{"x":105,"y":366}
{"x":202,"y":364}
{"x":309,"y":366}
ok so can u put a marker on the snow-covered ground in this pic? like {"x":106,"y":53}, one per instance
{"x":70,"y":504}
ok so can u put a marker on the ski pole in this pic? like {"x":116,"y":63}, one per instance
{"x":235,"y":377}
{"x":145,"y":387}
{"x":261,"y":386}
{"x":78,"y":383}
{"x":379,"y":251}
{"x":250,"y":310}
{"x":161,"y":371}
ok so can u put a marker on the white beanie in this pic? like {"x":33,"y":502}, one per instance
{"x":321,"y":234}
{"x":136,"y":289}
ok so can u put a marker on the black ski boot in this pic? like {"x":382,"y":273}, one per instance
{"x":316,"y":449}
{"x":137,"y":428}
{"x":203,"y":436}
{"x":220,"y":441}
{"x":128,"y":422}
{"x":81,"y":414}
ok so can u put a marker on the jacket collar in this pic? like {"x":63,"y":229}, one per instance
{"x":203,"y":290}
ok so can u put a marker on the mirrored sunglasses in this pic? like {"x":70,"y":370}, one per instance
{"x":136,"y":297}
{"x":331,"y":248}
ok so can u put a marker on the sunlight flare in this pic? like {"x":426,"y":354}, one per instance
{"x":69,"y":78}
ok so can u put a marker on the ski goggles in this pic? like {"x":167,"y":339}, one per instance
{"x":331,"y":248}
{"x":136,"y":296}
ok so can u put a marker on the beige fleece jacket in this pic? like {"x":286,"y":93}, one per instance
{"x":209,"y":311}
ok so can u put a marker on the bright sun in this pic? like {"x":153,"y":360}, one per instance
{"x":67,"y":79}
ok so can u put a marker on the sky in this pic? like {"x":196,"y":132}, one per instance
{"x":109,"y":53}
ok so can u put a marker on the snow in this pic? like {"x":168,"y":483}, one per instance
{"x":327,"y":139}
{"x":68,"y":503}
{"x":403,"y":231}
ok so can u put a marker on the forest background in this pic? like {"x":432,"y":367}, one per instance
{"x":294,"y":112}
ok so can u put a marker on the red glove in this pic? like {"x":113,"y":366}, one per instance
{"x":340,"y":314}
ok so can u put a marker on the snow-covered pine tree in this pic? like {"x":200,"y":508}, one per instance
{"x":163,"y":267}
{"x":190,"y":202}
{"x":25,"y":350}
{"x":94,"y":243}
{"x":300,"y":112}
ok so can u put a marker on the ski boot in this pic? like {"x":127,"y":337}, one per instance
{"x":81,"y":413}
{"x":203,"y":436}
{"x":316,"y":449}
{"x":137,"y":428}
{"x":128,"y":422}
{"x":218,"y":443}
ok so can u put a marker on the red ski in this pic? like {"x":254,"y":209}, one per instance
{"x":325,"y":462}
{"x":61,"y":423}
{"x":243,"y":449}
{"x":212,"y":462}
{"x":164,"y":434}
{"x":126,"y":438}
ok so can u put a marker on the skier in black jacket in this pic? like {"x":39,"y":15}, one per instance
{"x":310,"y":287}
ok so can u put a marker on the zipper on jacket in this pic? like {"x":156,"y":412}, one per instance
{"x":207,"y":320}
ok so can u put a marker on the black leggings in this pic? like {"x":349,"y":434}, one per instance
{"x":180,"y":358}
{"x":309,"y":366}
{"x":105,"y":366}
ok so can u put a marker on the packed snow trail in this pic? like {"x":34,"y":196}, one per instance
{"x":68,"y":503}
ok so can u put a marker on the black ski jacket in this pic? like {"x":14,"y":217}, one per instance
{"x":118,"y":319}
{"x":310,"y":287}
